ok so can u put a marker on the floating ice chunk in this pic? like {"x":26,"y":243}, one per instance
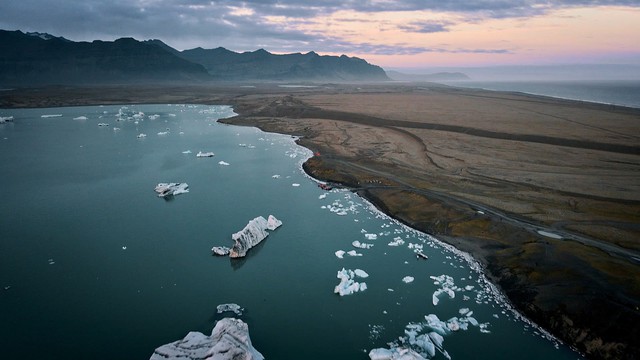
{"x":51,"y":116}
{"x":80,"y":118}
{"x":408,"y":279}
{"x":276,"y":176}
{"x":371,"y":236}
{"x":353,"y":253}
{"x":340,"y":254}
{"x":252,"y":234}
{"x":51,"y":262}
{"x":168,"y":189}
{"x":347,"y":285}
{"x":463,"y":311}
{"x":295,"y":184}
{"x":141,"y":136}
{"x":154,"y":117}
{"x":204,"y":154}
{"x":124,"y":248}
{"x":322,"y":196}
{"x":187,"y":152}
{"x":361,"y":273}
{"x":397,"y":241}
{"x":4,"y":119}
{"x":220,"y":250}
{"x":397,"y":353}
{"x":469,"y":287}
{"x":360,"y":245}
{"x":163,"y":133}
{"x":472,"y":321}
{"x":103,"y":124}
{"x":549,"y":234}
{"x":229,"y":340}
{"x":235,"y":308}
{"x":224,"y":163}
{"x":273,"y":223}
{"x":116,"y":129}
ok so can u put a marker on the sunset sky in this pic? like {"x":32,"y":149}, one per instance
{"x":398,"y":34}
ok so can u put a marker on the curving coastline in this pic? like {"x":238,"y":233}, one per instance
{"x":428,"y":157}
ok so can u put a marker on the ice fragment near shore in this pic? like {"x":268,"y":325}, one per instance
{"x":252,"y":234}
{"x":408,"y":279}
{"x":347,"y":284}
{"x":340,"y":254}
{"x":397,"y":241}
{"x":229,"y":340}
{"x":220,"y":250}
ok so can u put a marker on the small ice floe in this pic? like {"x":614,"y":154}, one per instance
{"x":51,"y":262}
{"x":153,"y":117}
{"x":172,"y":115}
{"x":4,"y":119}
{"x":295,"y":184}
{"x":347,"y":284}
{"x":421,"y":255}
{"x":361,"y":273}
{"x":353,"y":253}
{"x":220,"y":250}
{"x":371,"y":236}
{"x":276,"y":176}
{"x":447,"y":286}
{"x":103,"y":124}
{"x":124,"y":248}
{"x":51,"y":116}
{"x":141,"y":136}
{"x":7,"y":287}
{"x":181,"y":133}
{"x":80,"y":118}
{"x":322,"y":196}
{"x":360,"y":245}
{"x":397,"y":241}
{"x":340,"y":254}
{"x":235,"y":308}
{"x":549,"y":234}
{"x":169,"y":189}
{"x":224,"y":163}
{"x":187,"y":152}
{"x":407,"y":279}
{"x":116,"y":129}
{"x":204,"y":154}
{"x":163,"y":133}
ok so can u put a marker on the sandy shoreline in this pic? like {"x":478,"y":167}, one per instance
{"x":488,"y":172}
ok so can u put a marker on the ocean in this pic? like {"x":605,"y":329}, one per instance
{"x":94,"y":265}
{"x":616,"y":92}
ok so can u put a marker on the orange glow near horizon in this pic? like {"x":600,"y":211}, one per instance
{"x":571,"y":35}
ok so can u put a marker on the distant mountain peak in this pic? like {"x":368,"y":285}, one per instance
{"x":45,"y":36}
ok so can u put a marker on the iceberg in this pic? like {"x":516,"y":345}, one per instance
{"x":141,"y":136}
{"x":51,"y":116}
{"x":205,"y":154}
{"x":408,"y":279}
{"x":252,"y":234}
{"x":163,"y":133}
{"x":340,"y":254}
{"x":235,"y":308}
{"x":220,"y":250}
{"x":80,"y":118}
{"x":360,"y":245}
{"x":224,"y":163}
{"x":168,"y":189}
{"x":229,"y":340}
{"x":347,"y":285}
{"x":361,"y":273}
{"x":353,"y":253}
{"x":397,"y":241}
{"x":103,"y":124}
{"x":371,"y":236}
{"x":4,"y":119}
{"x":399,"y":353}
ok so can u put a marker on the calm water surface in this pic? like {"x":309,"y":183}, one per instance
{"x":94,"y":265}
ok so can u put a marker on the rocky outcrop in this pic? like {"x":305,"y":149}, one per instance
{"x":229,"y":340}
{"x":252,"y":235}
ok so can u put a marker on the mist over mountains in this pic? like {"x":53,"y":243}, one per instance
{"x":43,"y":59}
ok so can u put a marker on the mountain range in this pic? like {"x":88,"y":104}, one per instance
{"x":42,"y":59}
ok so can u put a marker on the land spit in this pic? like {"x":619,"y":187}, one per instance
{"x":544,"y":193}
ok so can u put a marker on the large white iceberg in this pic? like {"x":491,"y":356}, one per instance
{"x":229,"y":340}
{"x":252,"y":234}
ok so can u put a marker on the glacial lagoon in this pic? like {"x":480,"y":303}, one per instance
{"x":94,"y":265}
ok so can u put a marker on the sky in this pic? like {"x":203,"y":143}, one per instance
{"x":393,"y":34}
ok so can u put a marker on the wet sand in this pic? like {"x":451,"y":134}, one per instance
{"x":544,"y":193}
